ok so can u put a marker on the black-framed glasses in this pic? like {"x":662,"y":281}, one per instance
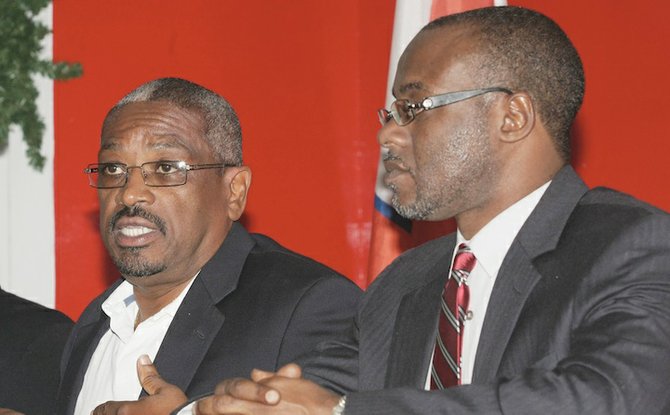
{"x":403,"y":111}
{"x":163,"y":173}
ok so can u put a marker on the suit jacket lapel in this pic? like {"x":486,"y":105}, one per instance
{"x":88,"y":337}
{"x":518,"y":274}
{"x":515,"y":280}
{"x":416,"y":322}
{"x":191,"y":333}
{"x":198,"y":320}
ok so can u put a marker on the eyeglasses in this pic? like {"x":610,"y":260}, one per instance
{"x":403,"y":111}
{"x":164,"y":173}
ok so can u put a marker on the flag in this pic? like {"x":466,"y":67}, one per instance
{"x":391,"y":233}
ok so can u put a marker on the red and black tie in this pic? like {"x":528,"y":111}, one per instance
{"x":446,"y":370}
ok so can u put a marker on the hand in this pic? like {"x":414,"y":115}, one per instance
{"x":284,"y":392}
{"x":6,"y":411}
{"x":163,"y":397}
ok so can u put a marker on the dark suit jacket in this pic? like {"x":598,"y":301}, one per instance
{"x":32,"y":338}
{"x":578,"y":321}
{"x":255,"y":304}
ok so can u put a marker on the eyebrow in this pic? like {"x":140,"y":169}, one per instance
{"x":411,"y":86}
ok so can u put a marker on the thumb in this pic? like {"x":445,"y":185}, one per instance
{"x":150,"y":380}
{"x":290,"y":370}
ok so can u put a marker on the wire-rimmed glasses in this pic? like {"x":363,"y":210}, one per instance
{"x":404,"y":111}
{"x":163,"y":173}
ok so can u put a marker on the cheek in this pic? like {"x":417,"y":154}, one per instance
{"x":428,"y":151}
{"x":197,"y":210}
{"x":107,"y":206}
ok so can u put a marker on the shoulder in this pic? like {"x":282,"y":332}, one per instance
{"x":606,"y":215}
{"x":602,"y":199}
{"x":609,"y":230}
{"x":273,"y":270}
{"x":271,"y":258}
{"x":32,"y":338}
{"x":30,"y":329}
{"x":28,"y":316}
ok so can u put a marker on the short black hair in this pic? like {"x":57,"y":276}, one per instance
{"x":523,"y":50}
{"x":222,"y":127}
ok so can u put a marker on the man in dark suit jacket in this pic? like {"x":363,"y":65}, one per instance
{"x":578,"y":317}
{"x":226,"y":300}
{"x":32,"y":338}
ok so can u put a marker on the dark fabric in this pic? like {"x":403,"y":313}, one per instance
{"x":32,"y":338}
{"x":578,"y":321}
{"x":255,"y":304}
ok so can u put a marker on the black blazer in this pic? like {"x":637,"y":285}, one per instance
{"x":32,"y":338}
{"x":578,"y":321}
{"x":255,"y":304}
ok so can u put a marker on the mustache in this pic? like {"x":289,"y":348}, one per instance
{"x":389,"y":156}
{"x":137,"y":211}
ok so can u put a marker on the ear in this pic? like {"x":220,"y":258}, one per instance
{"x":518,"y":117}
{"x":238,"y":189}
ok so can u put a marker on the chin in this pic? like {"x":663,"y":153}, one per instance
{"x":136,"y":266}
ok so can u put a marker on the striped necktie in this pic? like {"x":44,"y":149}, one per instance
{"x":446,"y":370}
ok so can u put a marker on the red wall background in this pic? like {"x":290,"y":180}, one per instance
{"x":306,"y":77}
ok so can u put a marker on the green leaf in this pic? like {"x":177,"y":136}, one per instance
{"x":21,"y":38}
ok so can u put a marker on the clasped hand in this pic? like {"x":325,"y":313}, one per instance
{"x":281,"y":393}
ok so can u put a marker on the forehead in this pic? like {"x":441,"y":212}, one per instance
{"x":154,"y":123}
{"x":436,"y":61}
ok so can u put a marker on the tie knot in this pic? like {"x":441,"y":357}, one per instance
{"x":464,"y":260}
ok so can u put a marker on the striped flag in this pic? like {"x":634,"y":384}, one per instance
{"x":391,"y":233}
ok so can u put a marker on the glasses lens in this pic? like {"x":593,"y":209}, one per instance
{"x":164,"y":173}
{"x":92,"y":173}
{"x":107,"y":175}
{"x":384,"y":116}
{"x":402,"y":113}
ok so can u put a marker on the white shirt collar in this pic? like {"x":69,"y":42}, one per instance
{"x":491,"y":243}
{"x":121,"y":308}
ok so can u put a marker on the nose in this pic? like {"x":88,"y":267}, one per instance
{"x":135,"y":191}
{"x":391,"y":134}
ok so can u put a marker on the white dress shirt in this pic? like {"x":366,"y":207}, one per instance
{"x":112,"y":372}
{"x":490,"y":246}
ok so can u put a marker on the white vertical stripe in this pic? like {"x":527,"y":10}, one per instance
{"x":410,"y":17}
{"x":500,"y":2}
{"x":27,"y":236}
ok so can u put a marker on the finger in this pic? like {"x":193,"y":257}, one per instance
{"x":227,"y":405}
{"x":207,"y":406}
{"x":257,"y":375}
{"x":247,"y":390}
{"x":290,"y":370}
{"x":150,"y":379}
{"x":204,"y":406}
{"x":107,"y":408}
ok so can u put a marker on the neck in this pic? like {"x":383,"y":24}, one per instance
{"x":472,"y":221}
{"x":150,"y":300}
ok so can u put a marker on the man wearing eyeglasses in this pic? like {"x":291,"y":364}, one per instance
{"x":550,"y":299}
{"x":199,"y":296}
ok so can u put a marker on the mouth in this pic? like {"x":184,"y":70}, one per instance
{"x":135,"y":228}
{"x":133,"y":235}
{"x":394,"y":167}
{"x":135,"y":231}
